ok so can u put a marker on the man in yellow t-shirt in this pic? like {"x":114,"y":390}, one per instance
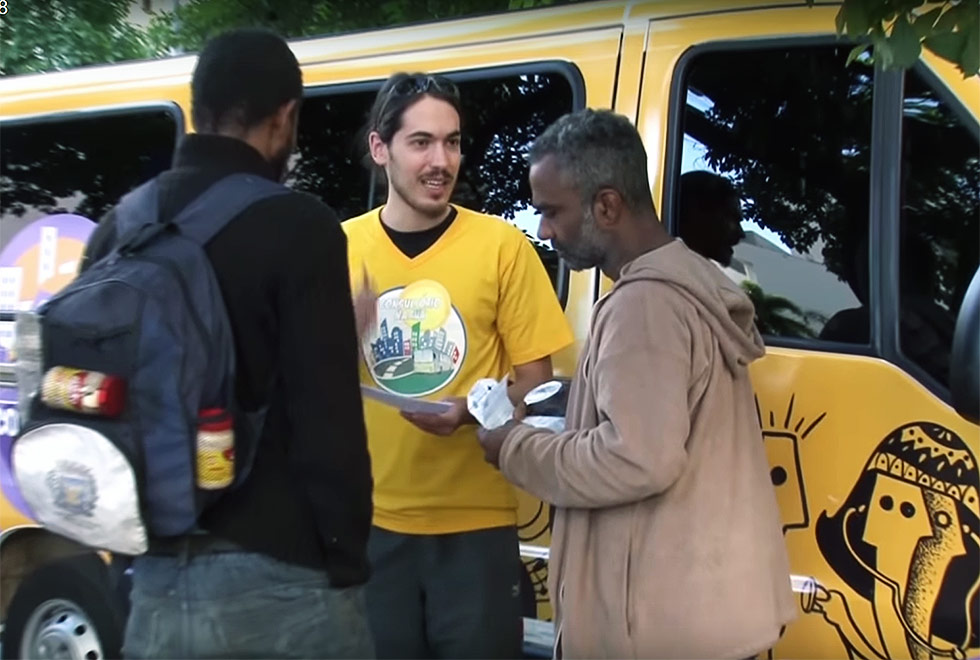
{"x":446,"y":296}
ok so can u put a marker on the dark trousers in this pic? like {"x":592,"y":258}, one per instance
{"x":446,"y":595}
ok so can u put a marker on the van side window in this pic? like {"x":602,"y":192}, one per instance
{"x":501,"y":118}
{"x":328,"y":158}
{"x":940,"y":224}
{"x":81,"y":164}
{"x":502,"y":115}
{"x":774,"y":183}
{"x":58,"y":176}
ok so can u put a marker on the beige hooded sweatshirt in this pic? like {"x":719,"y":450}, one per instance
{"x":667,"y":540}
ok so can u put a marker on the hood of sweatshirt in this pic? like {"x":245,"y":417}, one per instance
{"x":722,"y":303}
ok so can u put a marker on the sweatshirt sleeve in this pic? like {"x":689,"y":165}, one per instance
{"x":640,"y":378}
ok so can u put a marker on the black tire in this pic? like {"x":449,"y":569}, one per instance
{"x":87,"y":597}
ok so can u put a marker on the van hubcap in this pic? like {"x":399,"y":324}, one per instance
{"x":59,"y":629}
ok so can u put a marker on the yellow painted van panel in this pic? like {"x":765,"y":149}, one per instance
{"x":11,"y":517}
{"x":835,"y":423}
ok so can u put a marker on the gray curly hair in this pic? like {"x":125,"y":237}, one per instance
{"x":597,"y":149}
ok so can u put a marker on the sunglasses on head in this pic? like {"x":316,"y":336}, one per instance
{"x":421,"y":84}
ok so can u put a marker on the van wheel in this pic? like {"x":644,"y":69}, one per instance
{"x":66,"y":609}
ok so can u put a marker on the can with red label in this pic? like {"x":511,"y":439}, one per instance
{"x":215,"y":449}
{"x":83,"y":391}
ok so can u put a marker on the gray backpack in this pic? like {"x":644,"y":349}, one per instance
{"x":151,"y":315}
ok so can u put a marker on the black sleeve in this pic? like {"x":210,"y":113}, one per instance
{"x":328,"y":449}
{"x":100,"y":242}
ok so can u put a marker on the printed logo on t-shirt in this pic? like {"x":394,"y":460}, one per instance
{"x":419,"y":343}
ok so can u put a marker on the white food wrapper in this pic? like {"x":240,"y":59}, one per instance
{"x":488,"y":403}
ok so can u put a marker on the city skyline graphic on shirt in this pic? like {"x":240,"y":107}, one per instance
{"x":419,"y":342}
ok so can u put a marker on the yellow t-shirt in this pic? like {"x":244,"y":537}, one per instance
{"x":474,"y":304}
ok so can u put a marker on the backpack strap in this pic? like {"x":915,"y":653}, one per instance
{"x":137,"y":217}
{"x":225,"y":200}
{"x":138,"y":213}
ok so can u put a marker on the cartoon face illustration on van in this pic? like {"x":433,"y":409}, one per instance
{"x":907,"y":541}
{"x":782,"y":435}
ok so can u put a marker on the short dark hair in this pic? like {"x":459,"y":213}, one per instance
{"x":702,"y":189}
{"x":400,"y":92}
{"x":243,"y":77}
{"x":598,"y":149}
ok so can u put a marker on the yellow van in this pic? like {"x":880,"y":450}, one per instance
{"x":859,"y":190}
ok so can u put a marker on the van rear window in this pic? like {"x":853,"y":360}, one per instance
{"x":58,"y":176}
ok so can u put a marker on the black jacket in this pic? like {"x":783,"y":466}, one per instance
{"x":282,"y":268}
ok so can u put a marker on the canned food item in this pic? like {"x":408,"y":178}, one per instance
{"x":549,"y":399}
{"x":546,"y":403}
{"x":215,"y":449}
{"x":83,"y":391}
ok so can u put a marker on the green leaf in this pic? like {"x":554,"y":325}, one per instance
{"x":970,"y":57}
{"x":959,"y":15}
{"x":839,"y":21}
{"x":946,"y":22}
{"x":883,"y":53}
{"x":923,"y":24}
{"x":881,"y":11}
{"x":855,"y":53}
{"x":970,"y":16}
{"x":948,"y":46}
{"x":857,"y":19}
{"x":904,"y":43}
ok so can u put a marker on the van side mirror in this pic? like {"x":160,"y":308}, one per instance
{"x":964,"y":362}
